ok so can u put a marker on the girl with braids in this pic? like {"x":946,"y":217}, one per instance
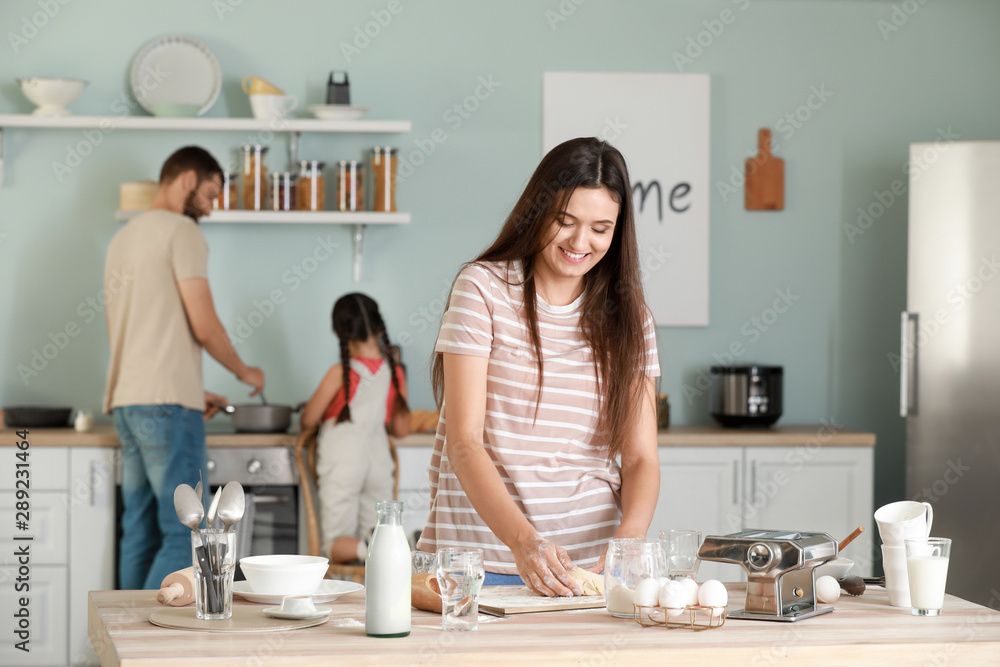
{"x":545,"y":369}
{"x":353,"y":459}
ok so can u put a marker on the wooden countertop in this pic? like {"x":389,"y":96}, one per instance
{"x":861,"y":631}
{"x":823,"y":435}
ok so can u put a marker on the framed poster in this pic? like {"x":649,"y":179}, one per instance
{"x":660,"y":123}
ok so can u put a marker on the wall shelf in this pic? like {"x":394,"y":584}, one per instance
{"x":293,"y":126}
{"x":294,"y":217}
{"x":202,"y":124}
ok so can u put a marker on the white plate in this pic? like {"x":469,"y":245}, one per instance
{"x":275,"y":612}
{"x":336,"y":111}
{"x":176,"y":69}
{"x":329,"y":590}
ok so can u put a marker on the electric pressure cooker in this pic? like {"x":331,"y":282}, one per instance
{"x":748,"y":395}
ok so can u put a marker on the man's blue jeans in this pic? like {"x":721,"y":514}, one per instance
{"x":162,"y":446}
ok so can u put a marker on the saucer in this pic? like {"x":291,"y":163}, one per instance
{"x":329,"y":590}
{"x":275,"y":612}
{"x":336,"y":111}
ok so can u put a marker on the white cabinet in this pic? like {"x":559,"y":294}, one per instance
{"x":72,"y":525}
{"x":721,"y":490}
{"x":91,"y":502}
{"x":414,"y":486}
{"x":46,"y":616}
{"x":819,"y":489}
{"x":700,"y":489}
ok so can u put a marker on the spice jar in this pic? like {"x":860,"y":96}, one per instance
{"x":384,"y":161}
{"x":350,"y":186}
{"x":310,"y":190}
{"x":254,"y":177}
{"x":227,"y":199}
{"x":629,"y":561}
{"x":282,"y":191}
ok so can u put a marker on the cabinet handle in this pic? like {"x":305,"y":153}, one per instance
{"x":908,"y":364}
{"x":736,"y":482}
{"x":753,"y":479}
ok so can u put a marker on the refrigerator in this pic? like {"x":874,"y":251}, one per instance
{"x":949,"y":361}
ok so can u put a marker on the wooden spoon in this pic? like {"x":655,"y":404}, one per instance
{"x":850,"y":538}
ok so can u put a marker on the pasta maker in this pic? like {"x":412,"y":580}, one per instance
{"x":780,"y":568}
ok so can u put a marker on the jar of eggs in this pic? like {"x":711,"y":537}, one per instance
{"x":630,"y":562}
{"x":254,"y":177}
{"x":310,"y":191}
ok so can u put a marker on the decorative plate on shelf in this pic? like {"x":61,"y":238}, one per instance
{"x":336,"y":111}
{"x":329,"y":590}
{"x":175,"y":71}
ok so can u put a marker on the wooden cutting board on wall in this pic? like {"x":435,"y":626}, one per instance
{"x":765,"y":177}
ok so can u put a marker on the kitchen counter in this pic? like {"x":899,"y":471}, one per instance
{"x":820,"y":435}
{"x":861,"y":631}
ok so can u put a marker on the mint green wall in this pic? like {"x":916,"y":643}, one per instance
{"x":887,"y":88}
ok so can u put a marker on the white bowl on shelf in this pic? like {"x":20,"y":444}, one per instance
{"x":52,"y":96}
{"x":284,"y":574}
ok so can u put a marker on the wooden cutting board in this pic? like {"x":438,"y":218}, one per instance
{"x":765,"y":177}
{"x":510,"y":600}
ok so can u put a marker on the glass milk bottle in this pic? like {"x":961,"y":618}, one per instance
{"x":387,"y":574}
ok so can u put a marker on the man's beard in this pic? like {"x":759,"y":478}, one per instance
{"x":190,"y":209}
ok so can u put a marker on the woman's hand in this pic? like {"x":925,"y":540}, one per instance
{"x":545,"y":566}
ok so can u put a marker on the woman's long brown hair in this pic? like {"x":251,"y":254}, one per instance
{"x":614,"y":309}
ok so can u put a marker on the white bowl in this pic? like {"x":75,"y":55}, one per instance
{"x":52,"y":95}
{"x":836,"y":568}
{"x":284,"y":574}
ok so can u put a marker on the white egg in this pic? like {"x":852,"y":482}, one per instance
{"x":672,"y":596}
{"x":690,"y":588}
{"x":663,"y":581}
{"x":647,"y":592}
{"x":713,"y":593}
{"x":827,"y":589}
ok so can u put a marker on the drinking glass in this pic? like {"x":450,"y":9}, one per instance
{"x":681,"y":549}
{"x":214,"y":554}
{"x":460,"y":575}
{"x":927,"y":571}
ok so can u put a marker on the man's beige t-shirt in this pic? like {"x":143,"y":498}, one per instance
{"x":155,"y":359}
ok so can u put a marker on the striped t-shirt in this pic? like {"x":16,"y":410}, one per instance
{"x":554,"y":466}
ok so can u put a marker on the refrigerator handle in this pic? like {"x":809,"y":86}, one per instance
{"x":908,"y":364}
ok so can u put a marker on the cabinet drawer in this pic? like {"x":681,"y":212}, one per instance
{"x":46,"y":617}
{"x":47,"y":525}
{"x":49,"y":466}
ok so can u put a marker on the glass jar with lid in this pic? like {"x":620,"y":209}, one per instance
{"x":310,"y":190}
{"x":254,"y":178}
{"x":283,"y":191}
{"x":350,"y":186}
{"x":383,"y":160}
{"x":227,"y":199}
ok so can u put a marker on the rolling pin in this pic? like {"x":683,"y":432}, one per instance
{"x":177,"y":588}
{"x":425,"y":593}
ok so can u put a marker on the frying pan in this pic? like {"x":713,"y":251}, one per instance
{"x":258,"y":418}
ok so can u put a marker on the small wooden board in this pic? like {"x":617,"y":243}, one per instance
{"x":244,"y":619}
{"x":510,"y":600}
{"x":765,"y":177}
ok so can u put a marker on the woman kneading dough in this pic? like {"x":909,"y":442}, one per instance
{"x":545,"y":371}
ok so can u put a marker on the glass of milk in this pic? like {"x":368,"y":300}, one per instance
{"x":927,"y":571}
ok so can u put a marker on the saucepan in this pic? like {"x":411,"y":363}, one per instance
{"x":262,"y":418}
